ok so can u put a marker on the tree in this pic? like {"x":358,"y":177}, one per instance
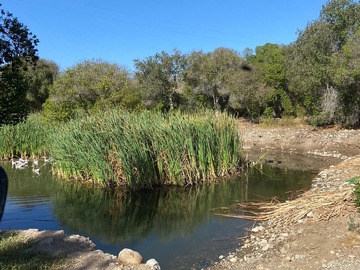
{"x":160,"y":78}
{"x":40,"y":79}
{"x":248,"y":93}
{"x":17,"y":47}
{"x":88,"y":86}
{"x":208,"y":74}
{"x":269,"y":60}
{"x":345,"y":71}
{"x":16,"y":41}
{"x":310,"y":56}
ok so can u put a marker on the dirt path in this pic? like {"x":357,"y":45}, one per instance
{"x":304,"y":245}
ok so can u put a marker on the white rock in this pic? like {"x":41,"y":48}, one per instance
{"x":153,"y":264}
{"x":233,"y":260}
{"x":258,"y":229}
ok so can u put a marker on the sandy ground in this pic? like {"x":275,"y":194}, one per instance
{"x":305,"y":245}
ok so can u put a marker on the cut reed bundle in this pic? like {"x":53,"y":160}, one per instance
{"x":317,"y":205}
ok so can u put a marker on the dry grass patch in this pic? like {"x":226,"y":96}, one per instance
{"x":317,"y":205}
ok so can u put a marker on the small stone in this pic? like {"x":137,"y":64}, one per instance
{"x":266,"y":247}
{"x":263,"y":242}
{"x":129,"y":256}
{"x":153,"y":264}
{"x":233,"y":260}
{"x":221,"y":257}
{"x":258,"y":229}
{"x":283,"y":250}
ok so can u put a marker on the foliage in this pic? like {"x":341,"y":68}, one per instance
{"x":17,"y":46}
{"x":40,"y":78}
{"x":346,"y":77}
{"x":315,"y":55}
{"x":146,"y":149}
{"x":13,"y":105}
{"x":248,"y":94}
{"x":160,"y":78}
{"x":16,"y":41}
{"x":209,"y":74}
{"x":87,"y":87}
{"x":270,"y":59}
{"x":357,"y":193}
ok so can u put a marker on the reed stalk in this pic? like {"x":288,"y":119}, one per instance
{"x":29,"y":138}
{"x":136,"y":150}
{"x":147,"y":149}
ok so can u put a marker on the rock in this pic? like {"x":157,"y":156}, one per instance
{"x":233,"y":260}
{"x":266,"y":247}
{"x":129,"y":256}
{"x":153,"y":264}
{"x":258,"y":229}
{"x":263,"y":242}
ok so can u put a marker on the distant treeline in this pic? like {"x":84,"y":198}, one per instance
{"x":317,"y":77}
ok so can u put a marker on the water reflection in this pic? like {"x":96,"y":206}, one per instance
{"x":173,"y":225}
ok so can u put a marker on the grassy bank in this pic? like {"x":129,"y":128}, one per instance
{"x":17,"y":252}
{"x":133,"y":150}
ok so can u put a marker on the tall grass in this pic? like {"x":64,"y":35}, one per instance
{"x":147,"y":149}
{"x":30,"y":138}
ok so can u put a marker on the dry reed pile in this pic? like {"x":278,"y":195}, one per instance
{"x":317,"y":205}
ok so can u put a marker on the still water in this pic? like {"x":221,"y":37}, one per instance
{"x":182,"y":228}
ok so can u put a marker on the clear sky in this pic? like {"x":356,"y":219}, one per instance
{"x":120,"y":31}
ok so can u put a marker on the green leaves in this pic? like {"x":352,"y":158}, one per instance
{"x":17,"y":47}
{"x":160,"y":77}
{"x":87,"y":87}
{"x":16,"y":41}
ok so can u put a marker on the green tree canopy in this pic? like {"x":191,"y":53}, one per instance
{"x":309,"y":58}
{"x":16,"y":41}
{"x":160,"y":78}
{"x":17,"y":47}
{"x":88,"y":86}
{"x":40,"y":79}
{"x":209,"y":74}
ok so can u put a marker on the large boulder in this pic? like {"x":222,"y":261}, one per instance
{"x":128,"y":256}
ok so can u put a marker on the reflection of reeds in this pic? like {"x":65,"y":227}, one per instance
{"x":147,"y":149}
{"x":119,"y":217}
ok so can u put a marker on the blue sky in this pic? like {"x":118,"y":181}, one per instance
{"x":120,"y":31}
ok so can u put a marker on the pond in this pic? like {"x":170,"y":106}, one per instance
{"x":182,"y":228}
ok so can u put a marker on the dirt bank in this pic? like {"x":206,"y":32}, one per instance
{"x":308,"y":244}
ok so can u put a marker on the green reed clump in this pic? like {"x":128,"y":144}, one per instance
{"x":29,"y":138}
{"x":147,"y":149}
